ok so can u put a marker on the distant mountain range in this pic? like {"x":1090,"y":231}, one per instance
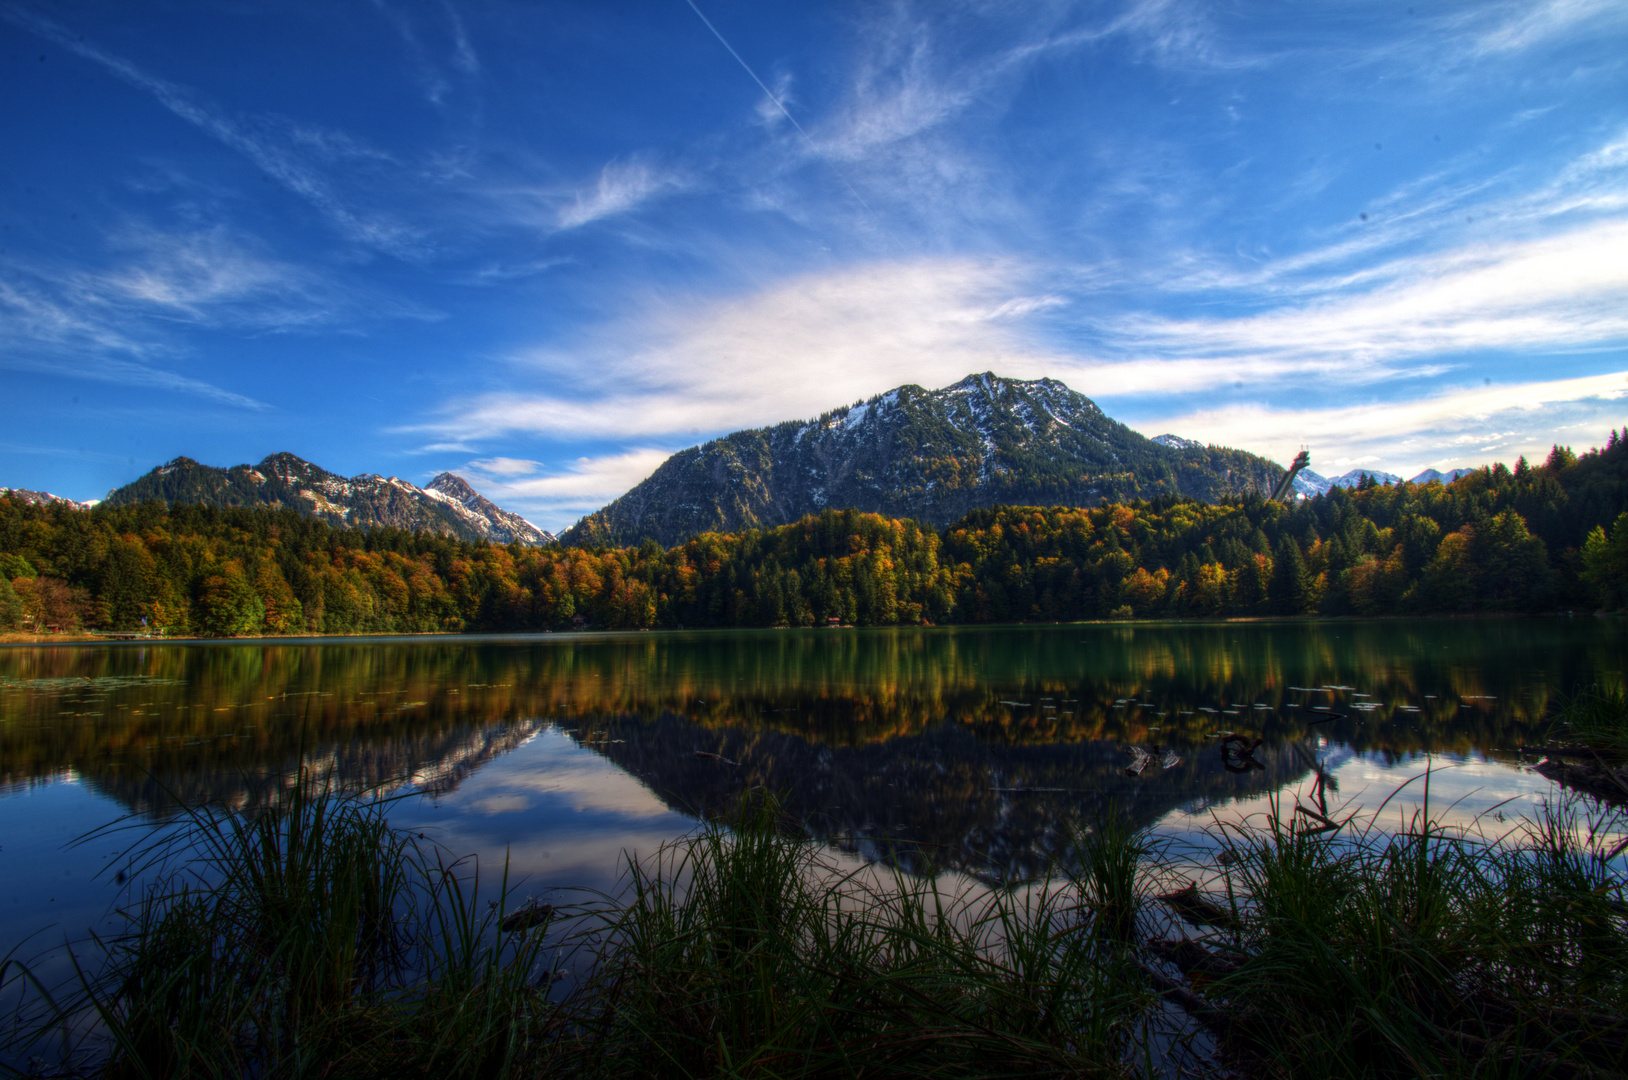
{"x":41,"y":498}
{"x":447,"y":505}
{"x":930,"y":455}
{"x":1309,"y":483}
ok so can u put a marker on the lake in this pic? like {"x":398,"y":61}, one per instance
{"x":964,"y":750}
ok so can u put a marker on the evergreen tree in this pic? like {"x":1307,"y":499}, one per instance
{"x":1291,"y":582}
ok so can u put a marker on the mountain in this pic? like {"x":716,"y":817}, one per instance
{"x":491,"y":520}
{"x":42,"y":498}
{"x":1309,"y":484}
{"x":1447,"y":477}
{"x":1355,"y":477}
{"x":930,"y":455}
{"x":448,"y":506}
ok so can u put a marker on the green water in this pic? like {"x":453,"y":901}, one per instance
{"x":967,"y":748}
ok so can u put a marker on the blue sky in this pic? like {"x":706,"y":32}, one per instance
{"x":545,"y":244}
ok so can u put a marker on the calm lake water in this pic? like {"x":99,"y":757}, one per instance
{"x":968,"y":750}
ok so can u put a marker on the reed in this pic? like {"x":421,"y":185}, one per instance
{"x":1428,"y":951}
{"x":1598,"y":717}
{"x":307,"y":939}
{"x":312,"y":939}
{"x":744,"y":951}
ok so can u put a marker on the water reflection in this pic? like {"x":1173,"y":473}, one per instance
{"x":967,"y":748}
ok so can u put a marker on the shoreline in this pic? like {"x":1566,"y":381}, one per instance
{"x":17,"y":640}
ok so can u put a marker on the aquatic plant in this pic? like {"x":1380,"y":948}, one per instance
{"x":744,"y":951}
{"x":309,"y":938}
{"x":312,"y":938}
{"x":1428,"y":951}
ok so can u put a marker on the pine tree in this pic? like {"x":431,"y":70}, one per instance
{"x":1291,"y":582}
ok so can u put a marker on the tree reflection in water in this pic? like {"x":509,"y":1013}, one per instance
{"x":971,"y":748}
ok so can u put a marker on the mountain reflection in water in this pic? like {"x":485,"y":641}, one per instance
{"x":972,"y":748}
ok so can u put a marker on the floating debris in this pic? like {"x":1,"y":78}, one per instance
{"x":715,"y":757}
{"x":532,"y":914}
{"x":1238,"y":754}
{"x":1196,"y":908}
{"x":1009,"y":790}
{"x":1018,"y":704}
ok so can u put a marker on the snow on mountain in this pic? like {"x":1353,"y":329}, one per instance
{"x":365,"y":501}
{"x":1176,"y":442}
{"x":43,"y":498}
{"x":929,"y":455}
{"x":495,"y":523}
{"x":1447,"y":477}
{"x":1308,"y":483}
{"x":1355,"y":477}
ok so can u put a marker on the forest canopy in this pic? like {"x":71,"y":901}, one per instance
{"x":1527,"y":539}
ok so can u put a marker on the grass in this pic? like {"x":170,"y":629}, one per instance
{"x":743,"y":951}
{"x":310,"y":939}
{"x":1598,"y":718}
{"x":1428,"y":951}
{"x":314,"y":940}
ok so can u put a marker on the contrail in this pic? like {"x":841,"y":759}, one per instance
{"x":749,"y":71}
{"x":772,"y":97}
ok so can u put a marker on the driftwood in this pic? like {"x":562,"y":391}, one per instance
{"x":1194,"y":959}
{"x":1196,"y":908}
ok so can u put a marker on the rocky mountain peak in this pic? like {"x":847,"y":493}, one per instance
{"x":930,"y":455}
{"x":365,"y":501}
{"x":453,"y":485}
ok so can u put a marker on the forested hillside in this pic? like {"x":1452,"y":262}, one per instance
{"x":1498,"y":540}
{"x":928,"y":455}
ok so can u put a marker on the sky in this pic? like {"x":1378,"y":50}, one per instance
{"x":546,"y":244}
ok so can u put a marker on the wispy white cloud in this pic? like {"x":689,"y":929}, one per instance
{"x":464,"y":56}
{"x":40,"y":335}
{"x":1456,"y":428}
{"x":898,"y":92}
{"x":1525,"y":23}
{"x":506,"y":466}
{"x":207,"y":276}
{"x":559,"y":498}
{"x":261,"y":142}
{"x":621,"y":187}
{"x":1560,"y":292}
{"x":800,"y":346}
{"x":119,"y":323}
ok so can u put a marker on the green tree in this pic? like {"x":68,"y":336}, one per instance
{"x":229,"y":606}
{"x":1291,"y":581}
{"x":11,"y":607}
{"x":1605,"y":564}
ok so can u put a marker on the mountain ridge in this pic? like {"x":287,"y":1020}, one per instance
{"x":448,"y":505}
{"x":929,"y":455}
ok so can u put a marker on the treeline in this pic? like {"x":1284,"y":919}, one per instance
{"x":1526,"y":539}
